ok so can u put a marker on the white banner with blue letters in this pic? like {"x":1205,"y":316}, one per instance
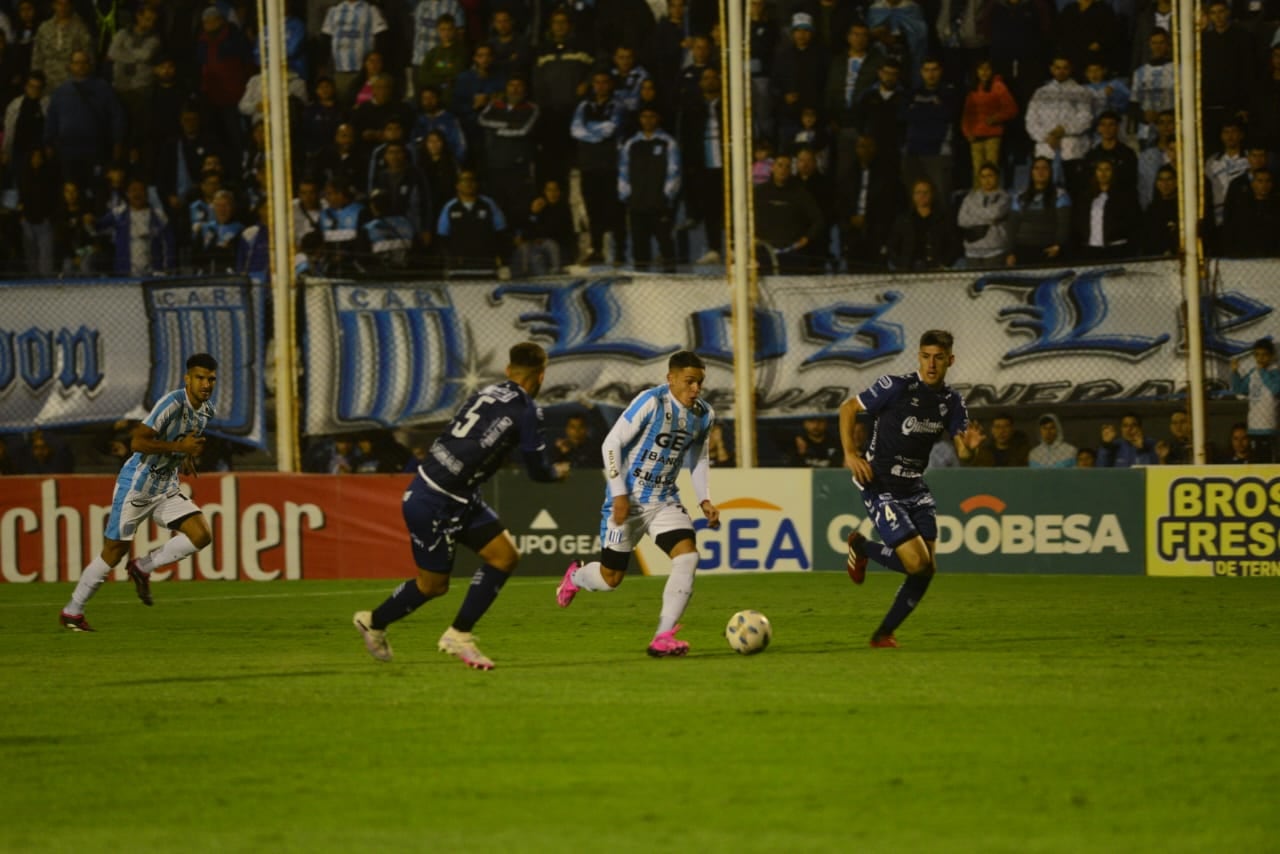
{"x":80,"y":352}
{"x":399,"y":354}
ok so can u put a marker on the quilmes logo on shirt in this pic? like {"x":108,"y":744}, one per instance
{"x":911,"y":424}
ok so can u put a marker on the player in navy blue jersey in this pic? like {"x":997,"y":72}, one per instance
{"x":910,"y":411}
{"x":166,"y":442}
{"x":663,"y":428}
{"x":443,"y":507}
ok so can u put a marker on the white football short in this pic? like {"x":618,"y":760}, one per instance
{"x":131,"y":509}
{"x":651,"y":519}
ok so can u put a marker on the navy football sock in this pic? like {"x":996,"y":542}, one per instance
{"x":885,"y":556}
{"x":909,"y":595}
{"x":484,"y":588}
{"x":406,"y":599}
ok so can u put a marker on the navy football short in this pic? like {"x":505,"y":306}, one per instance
{"x":438,"y":522}
{"x":899,"y":518}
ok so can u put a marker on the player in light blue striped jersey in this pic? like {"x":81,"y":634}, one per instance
{"x":166,"y":443}
{"x":662,"y":429}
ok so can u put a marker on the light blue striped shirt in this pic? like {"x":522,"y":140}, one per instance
{"x":172,"y":418}
{"x":651,"y":440}
{"x":352,"y":27}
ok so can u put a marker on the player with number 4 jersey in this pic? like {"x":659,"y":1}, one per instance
{"x":662,"y":430}
{"x":443,"y":506}
{"x":911,"y":412}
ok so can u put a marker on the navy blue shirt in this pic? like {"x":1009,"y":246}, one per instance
{"x":909,"y":418}
{"x":476,"y":442}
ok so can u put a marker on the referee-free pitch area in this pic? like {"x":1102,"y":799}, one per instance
{"x":1022,"y":714}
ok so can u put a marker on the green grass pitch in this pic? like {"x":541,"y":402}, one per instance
{"x":1023,"y":714}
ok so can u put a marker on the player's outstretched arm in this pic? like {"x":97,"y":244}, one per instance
{"x":853,"y":459}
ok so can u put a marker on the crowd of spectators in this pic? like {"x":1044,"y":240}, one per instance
{"x":473,"y":135}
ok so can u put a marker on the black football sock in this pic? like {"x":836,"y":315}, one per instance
{"x":909,"y":595}
{"x":884,"y":555}
{"x":484,"y":588}
{"x":406,"y":599}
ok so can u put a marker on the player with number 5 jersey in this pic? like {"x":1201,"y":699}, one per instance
{"x":443,"y":506}
{"x":911,"y":412}
{"x":662,"y":430}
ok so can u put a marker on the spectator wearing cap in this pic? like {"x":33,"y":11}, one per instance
{"x":1053,"y":452}
{"x":798,"y":77}
{"x":85,"y":125}
{"x":56,"y":40}
{"x":131,"y":53}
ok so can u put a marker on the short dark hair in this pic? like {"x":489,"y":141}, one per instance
{"x":937,"y":338}
{"x":1047,"y":419}
{"x":685,"y":359}
{"x":528,"y":355}
{"x":1265,"y":344}
{"x":1002,"y":416}
{"x":202,"y":360}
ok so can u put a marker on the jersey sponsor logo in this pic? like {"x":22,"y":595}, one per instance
{"x":912,"y":424}
{"x":672,"y":441}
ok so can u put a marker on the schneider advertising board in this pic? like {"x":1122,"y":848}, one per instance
{"x":1007,"y":521}
{"x":1223,"y":520}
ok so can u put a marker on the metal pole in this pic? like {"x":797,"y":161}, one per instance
{"x":1190,"y":177}
{"x":275,"y":94}
{"x":740,"y":253}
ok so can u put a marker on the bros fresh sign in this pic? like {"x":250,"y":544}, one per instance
{"x":1223,"y":520}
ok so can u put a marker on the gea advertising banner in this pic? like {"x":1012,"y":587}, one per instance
{"x":1078,"y":521}
{"x":86,"y":352}
{"x":1220,"y":520}
{"x":765,"y":523}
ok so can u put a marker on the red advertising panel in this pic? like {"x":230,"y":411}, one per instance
{"x":265,"y":527}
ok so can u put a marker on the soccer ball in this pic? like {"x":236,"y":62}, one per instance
{"x":748,"y":632}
